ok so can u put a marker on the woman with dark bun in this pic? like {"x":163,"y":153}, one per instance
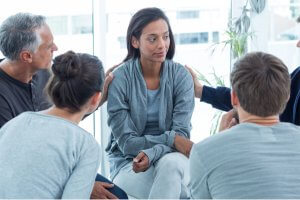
{"x":46,"y":155}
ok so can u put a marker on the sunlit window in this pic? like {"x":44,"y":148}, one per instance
{"x":284,"y":26}
{"x":187,"y":14}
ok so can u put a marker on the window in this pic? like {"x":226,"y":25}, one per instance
{"x":295,"y":9}
{"x":82,"y":24}
{"x":189,"y":14}
{"x":195,"y":26}
{"x":193,"y":38}
{"x":122,"y":41}
{"x":284,"y":31}
{"x":58,"y":24}
{"x":215,"y":37}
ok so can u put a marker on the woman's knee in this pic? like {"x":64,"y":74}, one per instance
{"x":172,"y":162}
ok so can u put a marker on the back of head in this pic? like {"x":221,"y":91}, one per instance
{"x":262,"y":84}
{"x":18,"y":32}
{"x":138,"y":22}
{"x":76,"y":77}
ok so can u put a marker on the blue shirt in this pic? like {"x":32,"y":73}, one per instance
{"x":152,"y":112}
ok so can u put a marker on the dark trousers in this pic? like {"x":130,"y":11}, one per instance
{"x":114,"y":190}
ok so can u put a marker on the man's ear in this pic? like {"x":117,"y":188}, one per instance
{"x":234,"y":99}
{"x":134,"y":42}
{"x":26,"y":56}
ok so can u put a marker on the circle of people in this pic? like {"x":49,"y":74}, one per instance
{"x":150,"y":102}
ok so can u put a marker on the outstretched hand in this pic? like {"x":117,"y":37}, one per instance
{"x":198,"y":87}
{"x":108,"y":78}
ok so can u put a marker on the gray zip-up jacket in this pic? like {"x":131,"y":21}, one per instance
{"x":127,"y":110}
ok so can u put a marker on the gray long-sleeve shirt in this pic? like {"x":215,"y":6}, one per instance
{"x":46,"y":157}
{"x":248,"y":161}
{"x":127,"y":109}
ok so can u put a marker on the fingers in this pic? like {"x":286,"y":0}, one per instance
{"x":138,"y":157}
{"x":107,"y":82}
{"x":109,"y":195}
{"x":140,"y":167}
{"x":232,"y":123}
{"x":112,"y":69}
{"x":191,"y":71}
{"x":107,"y":185}
{"x":189,"y":148}
{"x":228,"y":120}
{"x":198,"y":87}
{"x":100,"y":191}
{"x":140,"y":163}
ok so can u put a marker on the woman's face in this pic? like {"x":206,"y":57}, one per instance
{"x":154,"y":41}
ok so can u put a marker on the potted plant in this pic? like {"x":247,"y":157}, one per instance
{"x":238,"y":36}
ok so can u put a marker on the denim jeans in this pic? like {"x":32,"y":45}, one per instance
{"x":166,"y":179}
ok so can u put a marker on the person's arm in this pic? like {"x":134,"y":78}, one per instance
{"x":218,"y":97}
{"x":123,"y":128}
{"x":183,"y":110}
{"x":198,"y":182}
{"x":82,"y":179}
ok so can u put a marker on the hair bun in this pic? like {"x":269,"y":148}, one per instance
{"x":67,"y":67}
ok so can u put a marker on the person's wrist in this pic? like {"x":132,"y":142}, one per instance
{"x":198,"y":91}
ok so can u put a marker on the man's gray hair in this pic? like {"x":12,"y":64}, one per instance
{"x":18,"y":33}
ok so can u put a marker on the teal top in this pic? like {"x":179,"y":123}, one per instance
{"x":152,"y":112}
{"x":46,"y":157}
{"x":127,"y":106}
{"x":248,"y":161}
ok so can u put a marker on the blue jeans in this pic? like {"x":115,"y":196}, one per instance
{"x":114,"y":190}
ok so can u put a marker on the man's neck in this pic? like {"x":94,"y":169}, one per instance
{"x":17,"y":70}
{"x":265,"y":121}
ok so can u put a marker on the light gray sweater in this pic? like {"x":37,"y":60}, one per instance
{"x":248,"y":161}
{"x":46,"y":157}
{"x":127,"y":109}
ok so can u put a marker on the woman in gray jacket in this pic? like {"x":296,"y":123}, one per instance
{"x":150,"y":105}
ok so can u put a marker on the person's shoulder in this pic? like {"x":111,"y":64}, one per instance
{"x":125,"y":72}
{"x":21,"y":119}
{"x":178,"y":73}
{"x":221,"y":137}
{"x":296,"y":71}
{"x":178,"y":68}
{"x":124,"y":68}
{"x":289,"y":127}
{"x":4,"y":81}
{"x":173,"y":64}
{"x":5,"y":87}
